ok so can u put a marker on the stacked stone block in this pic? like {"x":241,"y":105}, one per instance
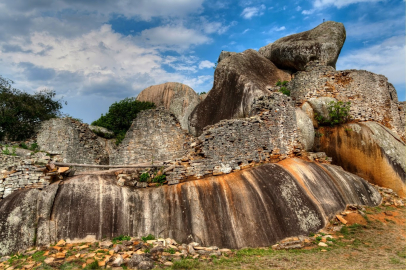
{"x":372,"y":97}
{"x":17,"y":173}
{"x":155,"y":135}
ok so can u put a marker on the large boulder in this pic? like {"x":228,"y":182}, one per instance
{"x":305,"y":129}
{"x":178,"y":98}
{"x":368,"y":150}
{"x":224,"y":54}
{"x":320,"y":107}
{"x":294,"y":52}
{"x":238,"y":80}
{"x":372,"y":97}
{"x":252,"y":208}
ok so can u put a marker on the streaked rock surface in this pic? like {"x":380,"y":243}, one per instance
{"x":255,"y":207}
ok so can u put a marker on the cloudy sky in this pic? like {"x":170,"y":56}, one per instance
{"x":95,"y":52}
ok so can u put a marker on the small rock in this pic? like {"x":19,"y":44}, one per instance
{"x":119,"y":248}
{"x":388,"y":213}
{"x":168,"y":263}
{"x":118,"y":261}
{"x":106,"y":244}
{"x":321,"y":244}
{"x":191,"y":250}
{"x":49,"y":260}
{"x":225,"y":250}
{"x":61,"y":243}
{"x":341,"y":219}
{"x":145,"y":265}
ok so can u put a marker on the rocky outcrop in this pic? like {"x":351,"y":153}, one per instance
{"x":223,"y":55}
{"x":101,"y":131}
{"x":155,"y":135}
{"x":372,"y":97}
{"x":322,"y":44}
{"x":178,"y":98}
{"x":320,"y":106}
{"x":368,"y":150}
{"x":70,"y":141}
{"x":238,"y":80}
{"x":255,"y":207}
{"x":305,"y":129}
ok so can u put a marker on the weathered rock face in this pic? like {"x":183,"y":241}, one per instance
{"x":320,"y":106}
{"x":369,"y":150}
{"x":155,"y":135}
{"x":372,"y":97}
{"x":74,"y":142}
{"x":305,"y":129}
{"x":294,"y":52}
{"x":238,"y":80}
{"x":102,"y":131}
{"x":178,"y":98}
{"x":256,"y":207}
{"x":223,"y":55}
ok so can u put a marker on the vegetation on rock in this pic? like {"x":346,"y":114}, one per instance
{"x":120,"y":116}
{"x":21,"y":113}
{"x":339,"y":113}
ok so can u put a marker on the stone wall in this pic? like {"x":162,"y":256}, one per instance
{"x":372,"y":97}
{"x":70,"y":141}
{"x":230,"y":145}
{"x":18,"y":173}
{"x":155,"y":135}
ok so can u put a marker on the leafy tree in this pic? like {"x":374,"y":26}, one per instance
{"x":21,"y":113}
{"x":339,"y":113}
{"x":120,"y":116}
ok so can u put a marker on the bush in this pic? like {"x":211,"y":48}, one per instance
{"x":159,"y":179}
{"x":285,"y":91}
{"x":21,"y":113}
{"x":339,"y":113}
{"x":148,"y":237}
{"x":121,"y":115}
{"x":279,"y":83}
{"x":144,"y":177}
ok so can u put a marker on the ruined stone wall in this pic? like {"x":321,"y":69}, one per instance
{"x":230,"y":145}
{"x":372,"y":97}
{"x":17,"y":173}
{"x":155,"y":135}
{"x":70,"y":141}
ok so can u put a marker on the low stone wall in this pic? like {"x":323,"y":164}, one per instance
{"x":230,"y":145}
{"x":372,"y":97}
{"x":18,"y":173}
{"x":155,"y":135}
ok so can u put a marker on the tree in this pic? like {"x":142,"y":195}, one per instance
{"x":21,"y":113}
{"x":121,"y":115}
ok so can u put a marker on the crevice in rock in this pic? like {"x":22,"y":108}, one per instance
{"x":51,"y":214}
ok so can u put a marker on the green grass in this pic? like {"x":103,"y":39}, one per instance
{"x":170,"y":250}
{"x":186,"y":264}
{"x":120,"y":238}
{"x":39,"y":256}
{"x":148,"y":237}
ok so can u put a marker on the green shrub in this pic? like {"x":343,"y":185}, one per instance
{"x":279,"y":83}
{"x":159,"y":179}
{"x":148,"y":237}
{"x":23,"y":146}
{"x":284,"y":91}
{"x":121,"y":115}
{"x":339,"y":113}
{"x":144,"y":177}
{"x":21,"y":113}
{"x":202,"y":93}
{"x":34,"y":147}
{"x":121,"y":238}
{"x":170,"y":250}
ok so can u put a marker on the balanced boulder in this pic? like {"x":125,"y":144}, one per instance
{"x":176,"y":97}
{"x":238,"y":80}
{"x":322,"y":44}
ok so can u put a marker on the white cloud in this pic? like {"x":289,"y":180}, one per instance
{"x":387,"y":58}
{"x":308,"y":12}
{"x":277,"y":29}
{"x":245,"y":31}
{"x":206,"y":64}
{"x":173,"y":37}
{"x":339,"y":3}
{"x":250,"y":12}
{"x":298,"y":8}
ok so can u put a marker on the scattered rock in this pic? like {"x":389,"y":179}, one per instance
{"x":321,"y":244}
{"x":118,"y":261}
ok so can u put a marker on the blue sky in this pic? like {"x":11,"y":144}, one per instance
{"x":96,"y":52}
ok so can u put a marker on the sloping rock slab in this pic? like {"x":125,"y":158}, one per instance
{"x":178,"y":98}
{"x":369,"y":150}
{"x":322,"y":44}
{"x":251,"y":208}
{"x":238,"y":80}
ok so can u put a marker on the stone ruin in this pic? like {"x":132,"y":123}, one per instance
{"x":253,"y":153}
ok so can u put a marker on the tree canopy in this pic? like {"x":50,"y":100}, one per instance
{"x":120,"y":116}
{"x":21,"y":113}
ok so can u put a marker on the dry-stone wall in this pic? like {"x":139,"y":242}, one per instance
{"x":17,"y":173}
{"x":155,"y":135}
{"x":372,"y":97}
{"x":68,"y":140}
{"x":230,"y":145}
